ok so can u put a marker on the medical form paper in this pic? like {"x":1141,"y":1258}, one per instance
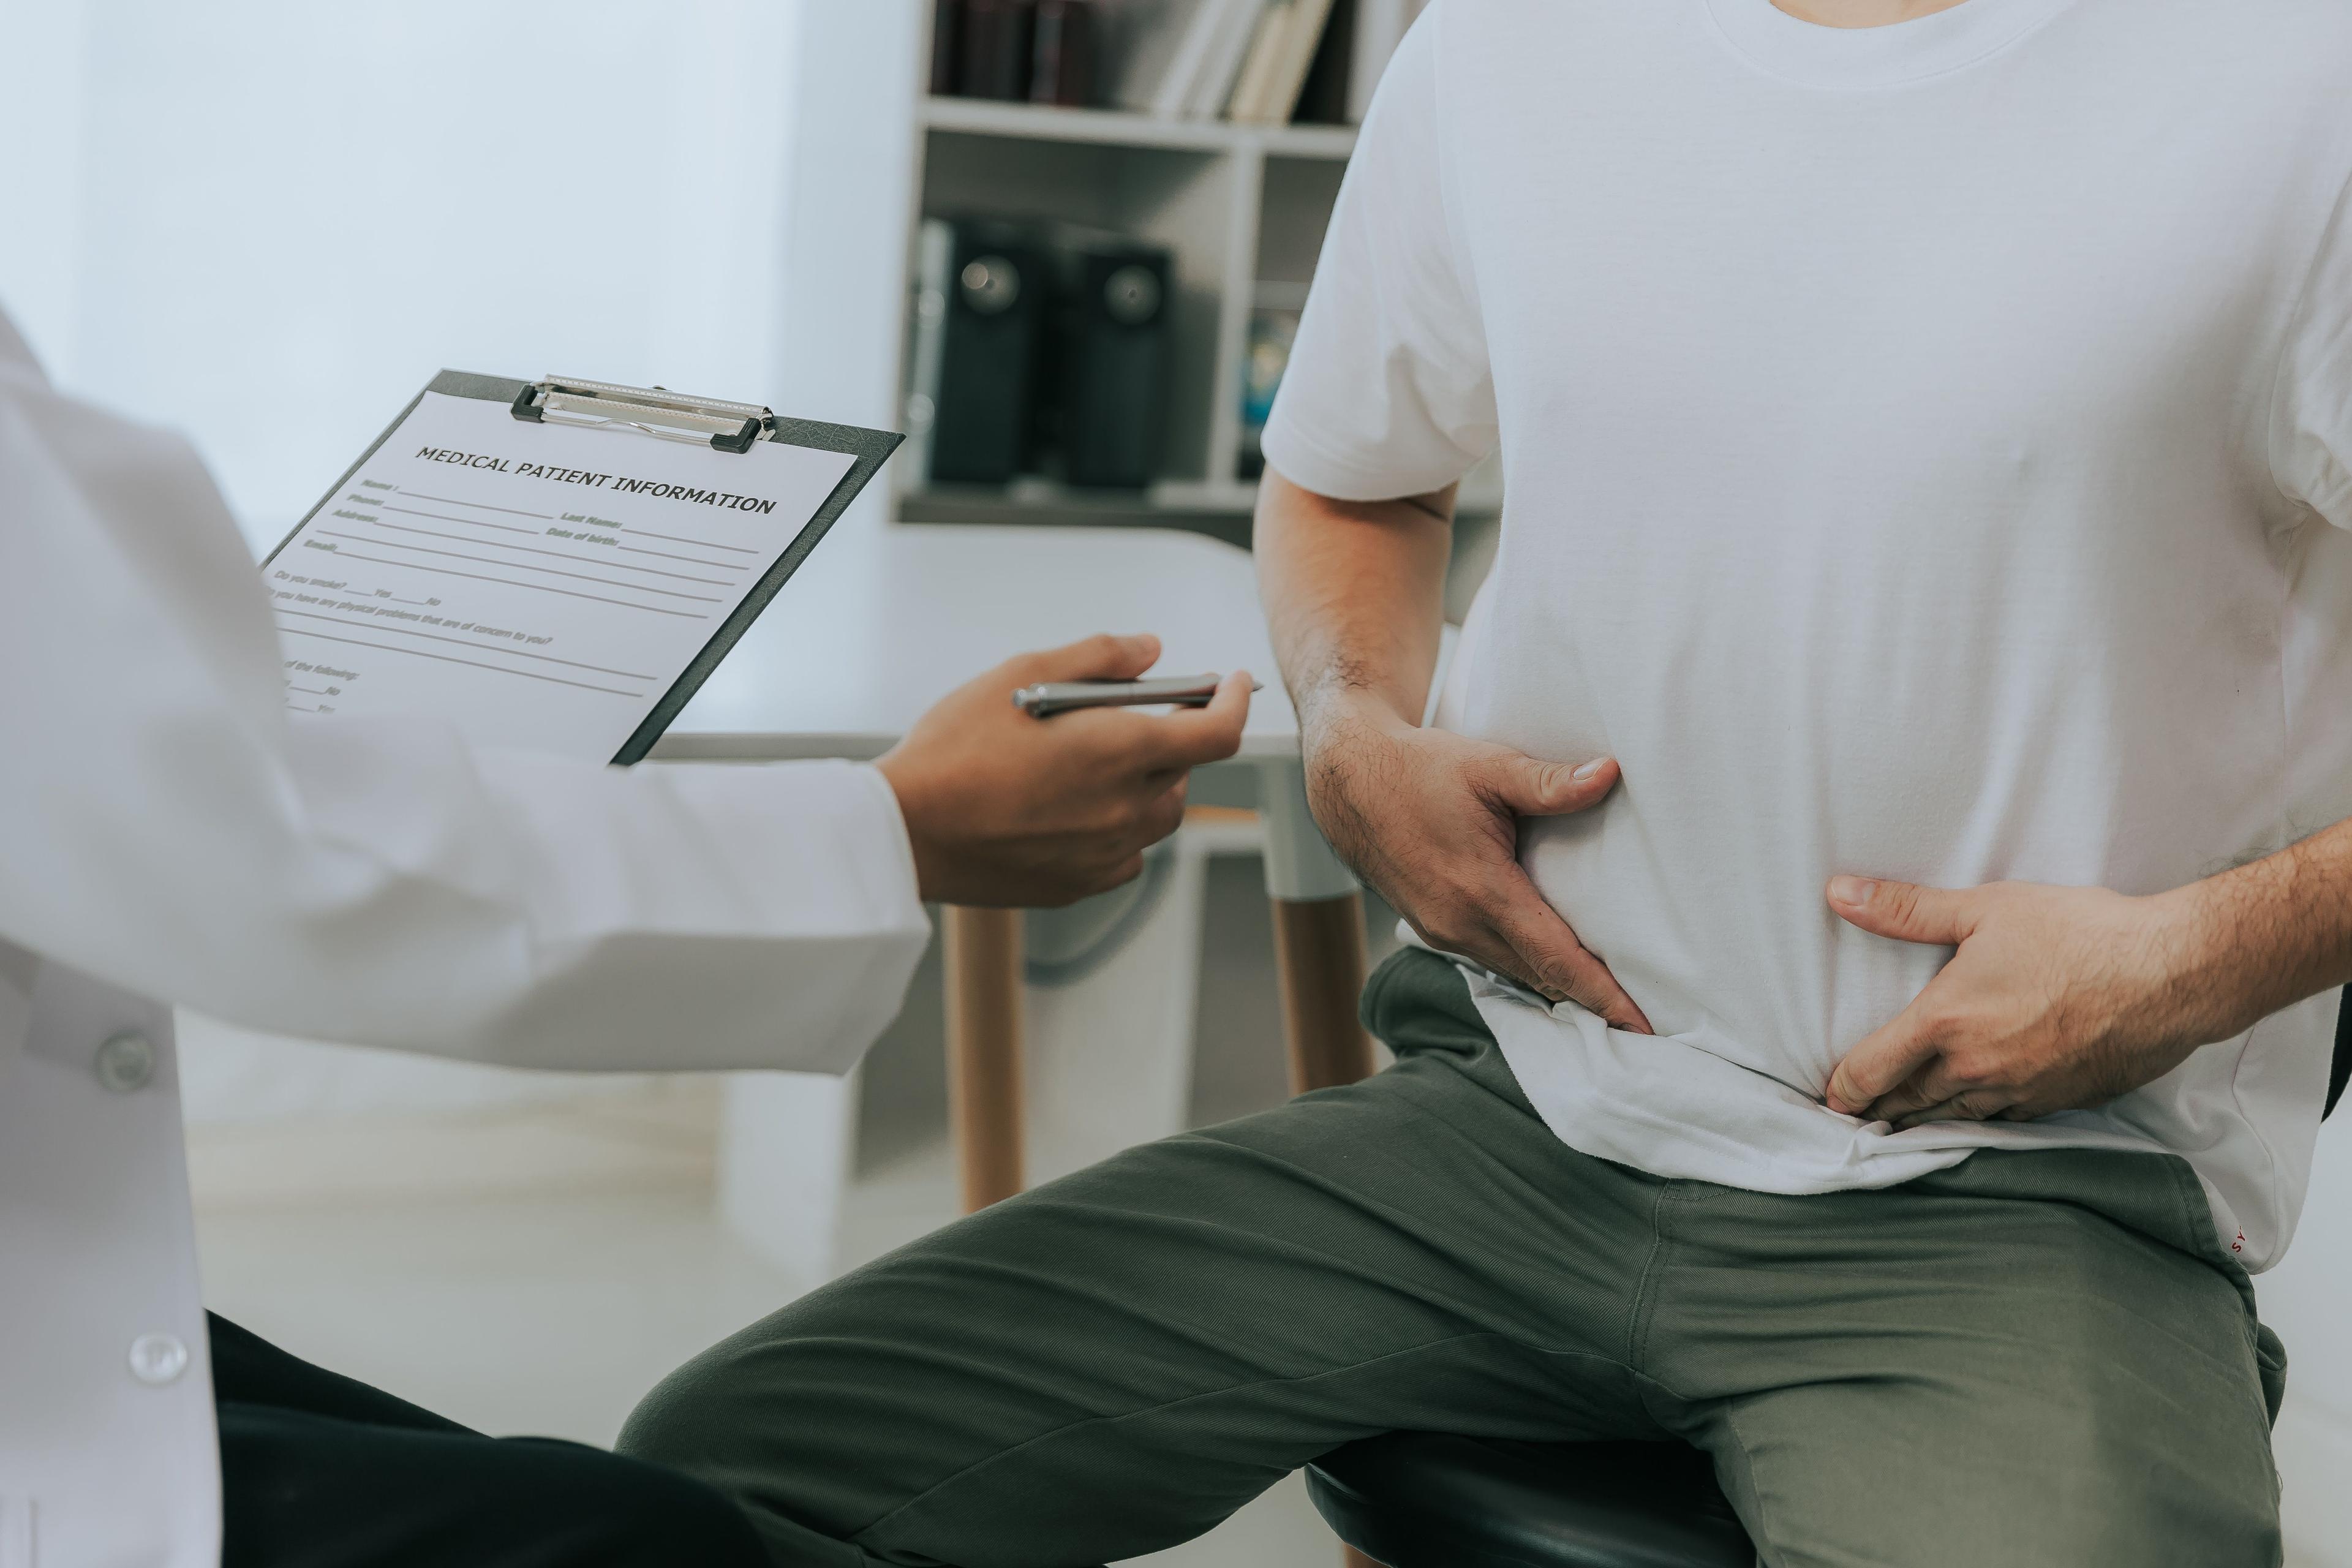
{"x":542,"y":585}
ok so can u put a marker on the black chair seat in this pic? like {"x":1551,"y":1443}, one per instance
{"x":2339,"y":1070}
{"x":1419,"y":1500}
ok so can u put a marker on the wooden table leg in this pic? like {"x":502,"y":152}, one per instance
{"x":1318,"y":954}
{"x":1318,"y":936}
{"x":1319,"y":948}
{"x":982,"y":953}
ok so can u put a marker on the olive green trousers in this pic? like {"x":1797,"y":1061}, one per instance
{"x":2033,"y":1358}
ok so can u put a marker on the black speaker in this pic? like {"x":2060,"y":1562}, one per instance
{"x":997,"y":291}
{"x":1110,"y":391}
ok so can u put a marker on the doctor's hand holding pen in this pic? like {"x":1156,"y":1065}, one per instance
{"x":1003,"y":809}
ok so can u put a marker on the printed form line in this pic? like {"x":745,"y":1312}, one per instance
{"x":479,"y":647}
{"x":689,"y":560}
{"x":446,"y":658}
{"x":697,"y":544}
{"x":538,"y":587}
{"x":558,"y":554}
{"x":639,"y":532}
{"x":453,"y":500}
{"x":468,"y":521}
{"x":518,"y":566}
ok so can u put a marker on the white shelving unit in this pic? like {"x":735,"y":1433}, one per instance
{"x":985,"y":117}
{"x":1241,"y":208}
{"x":1236,"y":206}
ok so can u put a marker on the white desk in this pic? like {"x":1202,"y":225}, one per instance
{"x":880,"y":624}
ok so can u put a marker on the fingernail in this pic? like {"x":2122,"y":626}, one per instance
{"x":1854,"y":890}
{"x":1589,"y":769}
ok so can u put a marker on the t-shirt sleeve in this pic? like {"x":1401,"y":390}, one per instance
{"x":1388,"y":391}
{"x":2311,"y":421}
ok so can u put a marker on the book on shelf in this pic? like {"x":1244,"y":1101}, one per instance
{"x":1258,"y":62}
{"x":1323,"y":100}
{"x":1223,"y":65}
{"x":1280,"y":57}
{"x":1041,"y":51}
{"x":1299,"y":57}
{"x":995,"y":38}
{"x":1061,"y":59}
{"x":1145,"y":37}
{"x":1168,"y":49}
{"x":947,"y":46}
{"x":1253,"y":85}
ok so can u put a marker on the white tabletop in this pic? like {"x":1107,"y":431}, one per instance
{"x":882,"y":621}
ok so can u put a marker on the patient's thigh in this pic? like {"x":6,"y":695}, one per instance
{"x":1952,"y":1379}
{"x":1114,"y":1363}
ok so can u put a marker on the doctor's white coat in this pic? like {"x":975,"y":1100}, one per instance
{"x":169,"y":834}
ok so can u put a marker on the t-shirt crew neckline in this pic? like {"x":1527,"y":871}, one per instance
{"x":1888,"y":56}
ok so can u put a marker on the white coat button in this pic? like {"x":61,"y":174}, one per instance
{"x":126,"y":1062}
{"x":157,"y":1359}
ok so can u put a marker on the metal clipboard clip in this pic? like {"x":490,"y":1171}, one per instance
{"x":673,"y":417}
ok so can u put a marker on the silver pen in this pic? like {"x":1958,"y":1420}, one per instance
{"x":1048,"y":698}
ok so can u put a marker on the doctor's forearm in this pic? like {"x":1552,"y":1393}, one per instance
{"x":1354,"y":594}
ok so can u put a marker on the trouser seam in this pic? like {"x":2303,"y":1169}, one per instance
{"x":1764,"y":1540}
{"x":1645,"y":1304}
{"x":884,"y":1521}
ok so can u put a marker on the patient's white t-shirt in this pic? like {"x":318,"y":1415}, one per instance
{"x":1921,"y":446}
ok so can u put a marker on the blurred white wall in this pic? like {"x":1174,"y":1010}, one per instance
{"x":268,"y":223}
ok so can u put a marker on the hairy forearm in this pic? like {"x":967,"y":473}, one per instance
{"x":1355,"y":596}
{"x":2267,"y":934}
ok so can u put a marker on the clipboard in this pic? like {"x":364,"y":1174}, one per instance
{"x":632,"y":413}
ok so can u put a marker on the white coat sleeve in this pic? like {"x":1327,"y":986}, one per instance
{"x":167,"y":826}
